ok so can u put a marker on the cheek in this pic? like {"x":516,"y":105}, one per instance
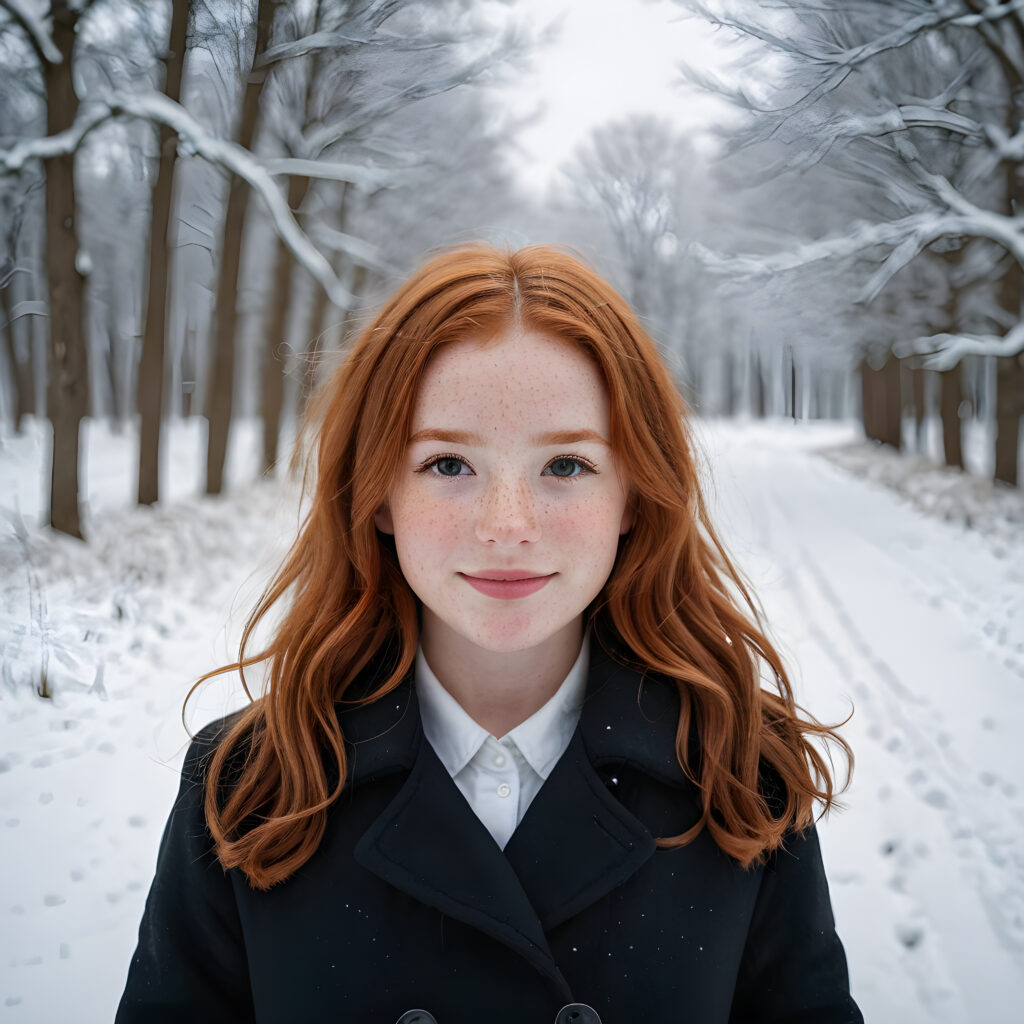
{"x":592,"y":524}
{"x":425,"y":528}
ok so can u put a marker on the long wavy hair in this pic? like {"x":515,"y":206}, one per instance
{"x":674,"y":603}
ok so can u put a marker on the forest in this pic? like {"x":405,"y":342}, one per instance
{"x":200,"y":200}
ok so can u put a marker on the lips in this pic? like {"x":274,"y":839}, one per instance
{"x":507,"y":583}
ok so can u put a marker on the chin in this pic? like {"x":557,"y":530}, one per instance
{"x":505,"y":640}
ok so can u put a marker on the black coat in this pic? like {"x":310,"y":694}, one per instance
{"x":409,"y":903}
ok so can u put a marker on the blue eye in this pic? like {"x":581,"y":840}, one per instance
{"x":447,"y":465}
{"x":567,"y":468}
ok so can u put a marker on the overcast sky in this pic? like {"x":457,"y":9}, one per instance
{"x":612,"y":58}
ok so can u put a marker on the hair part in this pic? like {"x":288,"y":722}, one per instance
{"x":674,"y":603}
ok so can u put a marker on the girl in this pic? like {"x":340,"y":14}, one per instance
{"x":514,"y":751}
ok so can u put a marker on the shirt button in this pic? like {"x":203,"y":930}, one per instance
{"x":504,"y":789}
{"x":499,"y":761}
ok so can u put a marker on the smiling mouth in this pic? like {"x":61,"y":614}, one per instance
{"x":506,"y":575}
{"x":507,"y":584}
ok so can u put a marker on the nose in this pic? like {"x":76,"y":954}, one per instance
{"x":508,"y":513}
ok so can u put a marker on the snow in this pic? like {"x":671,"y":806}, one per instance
{"x":36,"y":27}
{"x":887,"y":583}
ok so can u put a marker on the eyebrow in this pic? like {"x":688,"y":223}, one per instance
{"x":470,"y":439}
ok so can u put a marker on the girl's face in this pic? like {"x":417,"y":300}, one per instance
{"x":509,"y":505}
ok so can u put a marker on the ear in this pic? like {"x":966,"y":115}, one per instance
{"x":382,"y":519}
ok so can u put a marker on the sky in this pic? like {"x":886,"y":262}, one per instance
{"x":611,"y":58}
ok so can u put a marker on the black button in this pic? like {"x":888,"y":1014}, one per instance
{"x":577,"y":1013}
{"x":416,"y":1017}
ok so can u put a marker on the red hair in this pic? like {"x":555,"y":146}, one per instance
{"x":674,"y":603}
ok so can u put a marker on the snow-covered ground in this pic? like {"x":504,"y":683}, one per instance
{"x":880,"y":594}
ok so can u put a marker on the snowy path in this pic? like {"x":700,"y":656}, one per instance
{"x":919,"y":623}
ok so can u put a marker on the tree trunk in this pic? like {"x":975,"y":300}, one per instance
{"x":728,"y":385}
{"x":311,"y":357}
{"x":756,"y":386}
{"x":67,"y":392}
{"x":1009,"y":407}
{"x":274,"y":366}
{"x":881,"y":407}
{"x":222,"y":377}
{"x":151,"y":363}
{"x":892,"y":403}
{"x":792,"y":385}
{"x":21,"y":369}
{"x":1009,"y":390}
{"x":917,"y":397}
{"x":868,"y":390}
{"x":950,"y":398}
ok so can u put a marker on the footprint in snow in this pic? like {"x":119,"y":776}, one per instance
{"x":937,"y":798}
{"x":911,"y":935}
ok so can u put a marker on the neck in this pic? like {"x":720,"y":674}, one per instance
{"x":499,"y":689}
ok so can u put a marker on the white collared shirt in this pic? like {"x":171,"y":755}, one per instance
{"x":500,"y":777}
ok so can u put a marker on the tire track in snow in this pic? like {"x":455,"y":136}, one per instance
{"x":983,"y":816}
{"x":921,"y":962}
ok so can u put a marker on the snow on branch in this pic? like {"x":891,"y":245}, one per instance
{"x":841,"y":62}
{"x":332,"y":133}
{"x":358,"y":249}
{"x":67,"y":141}
{"x":943,"y":351}
{"x":365,"y":177}
{"x":906,"y":237}
{"x":862,"y":236}
{"x":315,"y":42}
{"x":318,"y":42}
{"x":36,"y":28}
{"x":154,"y":106}
{"x":991,"y":12}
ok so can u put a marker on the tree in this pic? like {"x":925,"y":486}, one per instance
{"x":222,"y":381}
{"x":67,"y":396}
{"x":648,"y":186}
{"x":151,"y":364}
{"x":923,"y":101}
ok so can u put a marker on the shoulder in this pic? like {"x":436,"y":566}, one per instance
{"x":205,"y":744}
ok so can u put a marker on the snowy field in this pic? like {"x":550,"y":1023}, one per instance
{"x":890,"y":586}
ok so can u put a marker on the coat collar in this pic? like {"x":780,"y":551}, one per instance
{"x":575,"y":844}
{"x":628,"y":717}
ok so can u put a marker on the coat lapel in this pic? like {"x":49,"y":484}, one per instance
{"x":576,"y":843}
{"x":429,"y":844}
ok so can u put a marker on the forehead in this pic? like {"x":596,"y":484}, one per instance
{"x":517,"y":374}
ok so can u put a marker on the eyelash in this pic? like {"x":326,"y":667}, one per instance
{"x":585,"y":465}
